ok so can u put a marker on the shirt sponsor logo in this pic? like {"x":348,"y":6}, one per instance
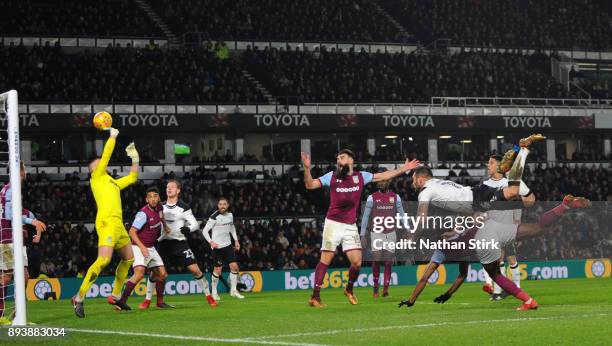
{"x":347,"y":189}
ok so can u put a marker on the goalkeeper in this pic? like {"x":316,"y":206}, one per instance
{"x":112,"y":234}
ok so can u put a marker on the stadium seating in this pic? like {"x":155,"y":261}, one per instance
{"x":109,"y":18}
{"x":291,"y":20}
{"x":332,"y":76}
{"x":565,"y":24}
{"x":121,"y":75}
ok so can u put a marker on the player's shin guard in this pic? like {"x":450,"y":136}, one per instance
{"x":2,"y":297}
{"x":233,"y":280}
{"x":516,"y":274}
{"x":203,"y":283}
{"x":387,"y":276}
{"x":129,"y":287}
{"x":552,"y":215}
{"x":214,"y":281}
{"x":121,"y":275}
{"x":160,"y":286}
{"x":511,"y":288}
{"x":516,"y":172}
{"x":352,"y":277}
{"x":150,"y":287}
{"x":92,"y":274}
{"x":320,"y":272}
{"x":496,"y":288}
{"x":376,"y":275}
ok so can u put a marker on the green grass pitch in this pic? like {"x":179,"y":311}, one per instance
{"x":572,"y":311}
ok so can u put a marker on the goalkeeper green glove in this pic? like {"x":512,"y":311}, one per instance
{"x":132,"y":152}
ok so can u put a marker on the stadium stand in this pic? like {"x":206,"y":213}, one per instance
{"x":127,"y":74}
{"x":557,"y":24}
{"x":76,"y":18}
{"x":332,"y":76}
{"x":293,"y":20}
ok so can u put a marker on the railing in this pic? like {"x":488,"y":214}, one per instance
{"x":460,"y":106}
{"x":155,"y":171}
{"x":83,"y":42}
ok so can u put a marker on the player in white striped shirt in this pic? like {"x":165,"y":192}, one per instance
{"x":221,"y":222}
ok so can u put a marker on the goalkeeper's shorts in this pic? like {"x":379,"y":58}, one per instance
{"x":111,"y":232}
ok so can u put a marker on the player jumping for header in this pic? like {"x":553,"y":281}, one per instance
{"x":109,"y":221}
{"x":346,"y":186}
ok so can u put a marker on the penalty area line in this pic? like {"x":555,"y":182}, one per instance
{"x":428,"y":325}
{"x":194,"y":338}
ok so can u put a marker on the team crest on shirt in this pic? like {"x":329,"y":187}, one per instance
{"x":391,"y":199}
{"x":355,"y":179}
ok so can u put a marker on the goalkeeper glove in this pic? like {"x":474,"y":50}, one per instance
{"x":442,"y":298}
{"x":132,"y":152}
{"x":113,"y":132}
{"x":405,"y":302}
{"x":185,"y":230}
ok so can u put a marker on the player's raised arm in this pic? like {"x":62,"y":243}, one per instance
{"x":407,"y":166}
{"x":109,"y":146}
{"x":133,"y":175}
{"x":309,"y":182}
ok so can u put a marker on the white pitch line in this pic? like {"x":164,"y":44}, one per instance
{"x":426,"y":325}
{"x":195,"y":338}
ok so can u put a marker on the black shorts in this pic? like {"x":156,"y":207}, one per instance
{"x":177,"y":250}
{"x":492,"y":198}
{"x":510,"y":249}
{"x":223,"y":255}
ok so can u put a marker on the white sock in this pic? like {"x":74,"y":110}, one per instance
{"x":233,"y":280}
{"x":516,"y":275}
{"x":214,"y":282}
{"x":496,"y":288}
{"x":150,"y":288}
{"x":203,"y":283}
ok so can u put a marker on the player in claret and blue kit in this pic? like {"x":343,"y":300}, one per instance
{"x":345,"y":186}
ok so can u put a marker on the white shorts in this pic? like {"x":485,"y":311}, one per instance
{"x":337,"y":233}
{"x":501,"y":233}
{"x":385,"y":238}
{"x":154,"y":259}
{"x":6,"y":257}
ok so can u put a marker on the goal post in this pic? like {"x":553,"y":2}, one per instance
{"x":11,"y":110}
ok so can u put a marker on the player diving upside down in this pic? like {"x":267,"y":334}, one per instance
{"x":112,"y":234}
{"x":522,"y":230}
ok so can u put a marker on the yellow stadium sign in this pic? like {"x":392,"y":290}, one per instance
{"x":437,"y":278}
{"x":252,"y":279}
{"x":42,"y":289}
{"x":598,"y":268}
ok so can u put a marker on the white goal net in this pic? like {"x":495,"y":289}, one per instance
{"x":12,"y":276}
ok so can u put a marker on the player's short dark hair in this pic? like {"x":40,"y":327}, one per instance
{"x":496,"y":157}
{"x":348,"y":152}
{"x":223,"y":198}
{"x":422,"y":171}
{"x":152,"y":189}
{"x":178,"y":183}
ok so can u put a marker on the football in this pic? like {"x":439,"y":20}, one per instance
{"x":103,"y":121}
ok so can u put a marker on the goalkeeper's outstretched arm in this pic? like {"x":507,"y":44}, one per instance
{"x":133,"y":176}
{"x":107,"y":153}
